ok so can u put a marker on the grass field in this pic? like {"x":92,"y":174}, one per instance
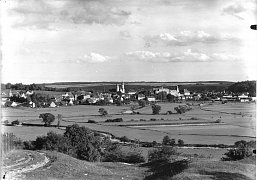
{"x":234,"y":127}
{"x":62,"y":166}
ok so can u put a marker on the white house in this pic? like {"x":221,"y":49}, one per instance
{"x":140,"y":96}
{"x":52,"y":105}
{"x":151,"y":98}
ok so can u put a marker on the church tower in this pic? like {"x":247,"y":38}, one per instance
{"x":123,"y":88}
{"x":118,"y":88}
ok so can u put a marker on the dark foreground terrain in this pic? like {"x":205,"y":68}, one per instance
{"x":23,"y":164}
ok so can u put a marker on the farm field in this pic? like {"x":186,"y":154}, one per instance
{"x":234,"y":127}
{"x":29,"y":133}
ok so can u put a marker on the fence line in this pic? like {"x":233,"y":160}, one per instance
{"x":8,"y":142}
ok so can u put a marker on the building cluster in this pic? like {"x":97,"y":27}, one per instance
{"x":120,"y":96}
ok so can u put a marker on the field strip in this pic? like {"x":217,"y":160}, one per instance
{"x":16,"y":173}
{"x":174,"y":124}
{"x":20,"y":163}
{"x":239,"y":114}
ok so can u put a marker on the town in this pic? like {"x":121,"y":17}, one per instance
{"x":120,"y":95}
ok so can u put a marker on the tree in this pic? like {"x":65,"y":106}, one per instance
{"x":180,"y":142}
{"x":242,"y":150}
{"x":163,"y":153}
{"x":166,"y":140}
{"x":103,"y":112}
{"x":243,"y":87}
{"x":142,"y":103}
{"x":48,"y":118}
{"x":162,"y":96}
{"x":171,"y":98}
{"x":59,"y":117}
{"x":156,"y":109}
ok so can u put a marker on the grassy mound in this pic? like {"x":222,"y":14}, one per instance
{"x":62,"y":166}
{"x":211,"y":169}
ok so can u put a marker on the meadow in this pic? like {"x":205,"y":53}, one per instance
{"x":237,"y":122}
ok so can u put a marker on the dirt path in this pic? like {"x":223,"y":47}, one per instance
{"x":15,"y":171}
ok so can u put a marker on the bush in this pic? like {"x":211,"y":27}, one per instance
{"x":124,"y":139}
{"x":182,"y":109}
{"x":91,"y":121}
{"x":28,"y":145}
{"x":142,"y":103}
{"x":6,"y":122}
{"x":167,"y":141}
{"x":152,"y":119}
{"x":218,"y":121}
{"x":103,"y":112}
{"x":180,"y":142}
{"x":163,"y":153}
{"x":114,"y":120}
{"x":16,"y":122}
{"x":169,"y":112}
{"x":242,"y":150}
{"x":119,"y":156}
{"x":156,"y":109}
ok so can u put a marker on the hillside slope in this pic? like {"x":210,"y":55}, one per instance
{"x":61,"y":166}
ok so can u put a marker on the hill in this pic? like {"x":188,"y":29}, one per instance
{"x":61,"y":166}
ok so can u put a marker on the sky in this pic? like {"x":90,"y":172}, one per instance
{"x":44,"y":41}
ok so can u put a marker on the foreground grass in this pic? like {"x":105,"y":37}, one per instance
{"x":211,"y":169}
{"x":65,"y":167}
{"x":62,"y":166}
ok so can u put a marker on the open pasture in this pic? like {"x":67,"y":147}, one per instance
{"x":234,"y":127}
{"x":29,"y":133}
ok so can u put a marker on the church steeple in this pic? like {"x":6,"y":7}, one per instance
{"x":118,"y":88}
{"x":123,"y":87}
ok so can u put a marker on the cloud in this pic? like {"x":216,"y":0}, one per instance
{"x":187,"y":56}
{"x":240,"y":8}
{"x":92,"y":58}
{"x":234,"y":10}
{"x":125,"y":35}
{"x":45,"y":14}
{"x":186,"y":37}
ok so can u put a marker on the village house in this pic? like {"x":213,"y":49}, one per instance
{"x":52,"y":105}
{"x":151,"y":98}
{"x":244,"y":98}
{"x":140,"y":97}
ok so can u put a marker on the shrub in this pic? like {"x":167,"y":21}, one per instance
{"x":242,"y":150}
{"x":218,"y":121}
{"x":103,"y":112}
{"x":152,"y":119}
{"x":156,"y":109}
{"x":125,"y":139}
{"x":163,"y":153}
{"x":180,"y":142}
{"x":167,"y":141}
{"x":6,"y":122}
{"x":119,"y":156}
{"x":16,"y":122}
{"x":142,"y":103}
{"x":91,"y":121}
{"x":182,"y":109}
{"x":114,"y":120}
{"x":169,"y":112}
{"x":134,"y":157}
{"x":28,"y":145}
